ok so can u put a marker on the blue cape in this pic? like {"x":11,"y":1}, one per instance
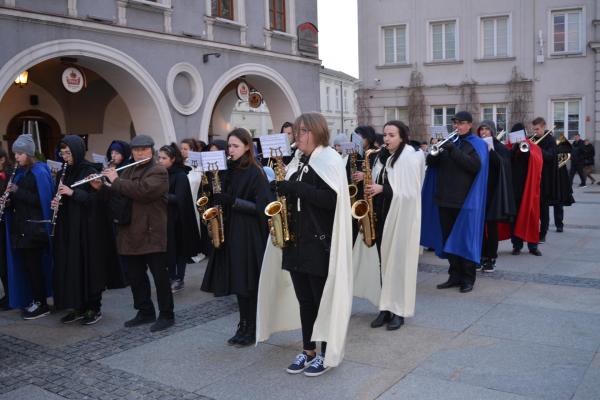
{"x":19,"y":292}
{"x":467,"y":233}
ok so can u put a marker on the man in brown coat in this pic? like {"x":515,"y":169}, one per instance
{"x":144,"y":240}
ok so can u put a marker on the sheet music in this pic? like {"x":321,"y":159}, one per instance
{"x":212,"y":160}
{"x":516,"y":137}
{"x":100,"y":159}
{"x":348,"y":148}
{"x":275,"y":145}
{"x":358,"y":142}
{"x":194,"y":161}
{"x":54,"y":166}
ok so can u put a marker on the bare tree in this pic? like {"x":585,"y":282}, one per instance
{"x":519,"y":97}
{"x":469,"y":99}
{"x":363,"y":113}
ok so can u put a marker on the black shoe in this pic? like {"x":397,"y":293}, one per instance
{"x":542,"y":239}
{"x":516,"y":252}
{"x":560,"y":229}
{"x":448,"y":284}
{"x":249,"y":336}
{"x":535,"y":252}
{"x":241,"y":331}
{"x":466,"y":287}
{"x":90,"y":317}
{"x":395,"y":323}
{"x":36,"y":310}
{"x":72,"y":317}
{"x":161,"y":324}
{"x":489,"y":266}
{"x":140,"y":319}
{"x":382,"y":318}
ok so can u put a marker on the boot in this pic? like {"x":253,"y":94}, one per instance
{"x":395,"y":322}
{"x":249,"y":336}
{"x":382,"y":318}
{"x":241,"y":331}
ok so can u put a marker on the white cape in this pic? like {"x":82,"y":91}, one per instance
{"x":400,"y":242}
{"x":195,"y":178}
{"x":277,"y":308}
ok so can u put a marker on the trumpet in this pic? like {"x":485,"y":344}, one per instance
{"x":58,"y":197}
{"x":6,"y":194}
{"x":362,"y":210}
{"x":437,"y":148}
{"x":100,"y":176}
{"x":352,"y":187}
{"x":524,"y":146}
{"x":277,"y":210}
{"x":213,"y":217}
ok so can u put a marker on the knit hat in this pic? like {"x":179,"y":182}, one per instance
{"x":24,"y":144}
{"x":142,"y":141}
{"x":339,"y":139}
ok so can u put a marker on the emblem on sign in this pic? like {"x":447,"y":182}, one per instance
{"x":73,"y":80}
{"x":242,"y":91}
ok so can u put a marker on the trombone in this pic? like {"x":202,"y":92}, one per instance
{"x":524,"y":146}
{"x":436,"y":149}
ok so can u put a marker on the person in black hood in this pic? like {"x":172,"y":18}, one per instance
{"x":183,"y":237}
{"x":118,"y":153}
{"x":82,"y":253}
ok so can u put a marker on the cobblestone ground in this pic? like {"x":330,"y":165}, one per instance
{"x":530,"y":330}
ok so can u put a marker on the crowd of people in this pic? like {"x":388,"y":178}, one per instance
{"x":345,"y":224}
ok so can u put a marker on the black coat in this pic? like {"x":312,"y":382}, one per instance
{"x":577,"y":152}
{"x":588,"y":154}
{"x":25,"y":203}
{"x":500,"y":200}
{"x":183,"y":237}
{"x":312,"y":226}
{"x":235,"y":267}
{"x":84,"y":253}
{"x":564,"y":187}
{"x":548,"y":190}
{"x":458,"y":165}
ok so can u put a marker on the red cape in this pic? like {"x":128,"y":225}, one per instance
{"x":527,"y":225}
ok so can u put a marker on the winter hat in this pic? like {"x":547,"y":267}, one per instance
{"x":142,"y":141}
{"x":339,"y":139}
{"x":24,"y":144}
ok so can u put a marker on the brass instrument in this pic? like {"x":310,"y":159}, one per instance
{"x":563,"y":159}
{"x":437,"y":148}
{"x":58,"y":197}
{"x":6,"y":194}
{"x":277,"y":210}
{"x":213,"y":217}
{"x":362,"y":209}
{"x":524,"y":146}
{"x":202,"y":202}
{"x":352,"y":186}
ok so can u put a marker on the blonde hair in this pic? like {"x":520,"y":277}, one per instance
{"x":315,"y":123}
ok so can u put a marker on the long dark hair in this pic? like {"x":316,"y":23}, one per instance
{"x":245,"y":137}
{"x":404,"y":131}
{"x":174,"y":154}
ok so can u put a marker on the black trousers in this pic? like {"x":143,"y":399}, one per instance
{"x":461,"y":270}
{"x":140,"y":284}
{"x":559,"y":214}
{"x":247,"y":306}
{"x":309,"y":290}
{"x":577,"y":168}
{"x":490,"y":240}
{"x":544,"y":217}
{"x":177,"y":270}
{"x":32,"y":264}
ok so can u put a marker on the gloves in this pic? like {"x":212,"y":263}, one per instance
{"x":286,"y":187}
{"x":223,"y":199}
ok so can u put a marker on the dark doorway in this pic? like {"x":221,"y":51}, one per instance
{"x":48,"y":127}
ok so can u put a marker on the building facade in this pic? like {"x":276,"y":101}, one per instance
{"x":338,"y":100}
{"x":509,"y":61}
{"x":167,"y":68}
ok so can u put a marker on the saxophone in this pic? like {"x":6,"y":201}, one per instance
{"x":362,"y":209}
{"x":202,"y":202}
{"x":213,"y":217}
{"x":352,"y":186}
{"x":277,"y":210}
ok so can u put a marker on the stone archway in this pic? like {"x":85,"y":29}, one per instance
{"x":145,"y":100}
{"x":281,"y":100}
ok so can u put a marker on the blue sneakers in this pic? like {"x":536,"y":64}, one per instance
{"x":300,"y":363}
{"x":316,"y":367}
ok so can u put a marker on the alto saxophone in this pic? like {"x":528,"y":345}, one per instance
{"x":352,"y":187}
{"x":213,"y":217}
{"x":202,"y":202}
{"x":277,"y":210}
{"x":362,"y":209}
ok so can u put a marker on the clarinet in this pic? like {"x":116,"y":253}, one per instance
{"x":58,"y":197}
{"x":6,"y":194}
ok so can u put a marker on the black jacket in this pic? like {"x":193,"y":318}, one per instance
{"x":588,"y":154}
{"x":500,"y":200}
{"x":577,"y":152}
{"x":458,"y":165}
{"x":564,"y":187}
{"x":548,"y":190}
{"x":312,"y":225}
{"x":25,"y":203}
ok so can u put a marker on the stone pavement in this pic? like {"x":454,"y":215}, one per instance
{"x":529,"y":331}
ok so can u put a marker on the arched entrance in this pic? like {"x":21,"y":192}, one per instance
{"x":49,"y":130}
{"x":142,"y":96}
{"x":276,"y":91}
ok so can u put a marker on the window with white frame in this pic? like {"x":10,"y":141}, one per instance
{"x":328,"y":97}
{"x":443,"y":40}
{"x":566,"y":115}
{"x":395,"y":44}
{"x":567,"y":31}
{"x":442,"y":115}
{"x":395,"y":114}
{"x":337,"y":99}
{"x":495,"y":34}
{"x":496,"y":113}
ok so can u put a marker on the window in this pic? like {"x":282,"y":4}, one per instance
{"x":496,"y":113}
{"x":222,"y":9}
{"x":328,"y":97}
{"x":442,"y":115}
{"x":337,"y":99}
{"x":277,"y":15}
{"x":567,"y":31}
{"x":443,"y":41}
{"x":395,"y":44}
{"x":495,"y":37}
{"x":567,"y":117}
{"x":345,"y":99}
{"x":395,"y":113}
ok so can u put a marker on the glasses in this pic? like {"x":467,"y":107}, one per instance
{"x":301,"y":132}
{"x":64,"y":153}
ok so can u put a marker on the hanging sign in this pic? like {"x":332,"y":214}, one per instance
{"x":255,"y":99}
{"x":243,"y":91}
{"x":73,"y":80}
